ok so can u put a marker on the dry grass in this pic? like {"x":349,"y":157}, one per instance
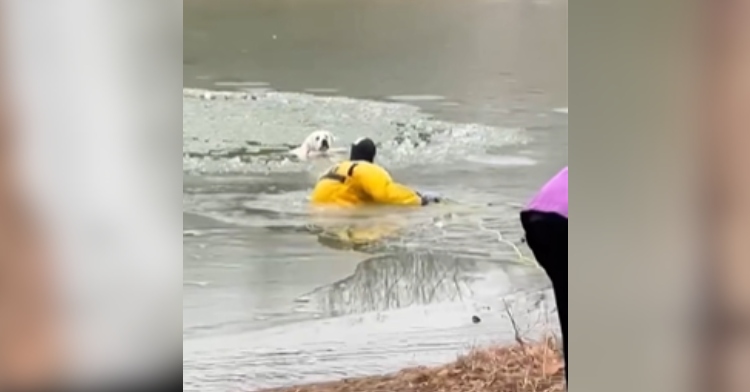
{"x":523,"y":367}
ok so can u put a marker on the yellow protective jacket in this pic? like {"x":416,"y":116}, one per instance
{"x":361,"y":183}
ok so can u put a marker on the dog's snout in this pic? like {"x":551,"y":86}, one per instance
{"x":324,"y":144}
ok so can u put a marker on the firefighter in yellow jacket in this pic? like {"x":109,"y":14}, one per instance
{"x":360,"y":182}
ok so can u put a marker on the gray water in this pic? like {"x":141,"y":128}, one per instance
{"x":466,"y":98}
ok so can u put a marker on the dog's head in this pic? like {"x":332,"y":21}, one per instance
{"x":319,"y":141}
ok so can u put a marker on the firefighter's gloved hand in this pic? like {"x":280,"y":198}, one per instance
{"x":430,"y":198}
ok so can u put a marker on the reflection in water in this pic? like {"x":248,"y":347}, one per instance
{"x":383,"y":229}
{"x":398,"y":281}
{"x":364,"y":238}
{"x":361,"y":229}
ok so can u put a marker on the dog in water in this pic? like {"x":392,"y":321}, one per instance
{"x":318,"y":144}
{"x":318,"y":151}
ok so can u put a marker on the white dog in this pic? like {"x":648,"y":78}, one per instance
{"x":318,"y":144}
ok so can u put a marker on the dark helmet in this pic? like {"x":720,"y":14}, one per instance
{"x":363,"y":150}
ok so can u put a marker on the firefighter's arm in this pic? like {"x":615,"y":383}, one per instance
{"x":377,"y":183}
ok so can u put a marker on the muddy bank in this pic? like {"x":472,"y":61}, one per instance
{"x":523,"y":367}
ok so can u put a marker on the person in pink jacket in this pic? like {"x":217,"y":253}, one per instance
{"x":545,"y":223}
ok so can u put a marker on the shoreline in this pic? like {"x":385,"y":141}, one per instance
{"x":521,"y":367}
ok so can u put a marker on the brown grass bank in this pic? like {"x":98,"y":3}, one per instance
{"x":524,"y":367}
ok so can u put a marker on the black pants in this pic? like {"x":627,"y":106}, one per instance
{"x":547,"y":236}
